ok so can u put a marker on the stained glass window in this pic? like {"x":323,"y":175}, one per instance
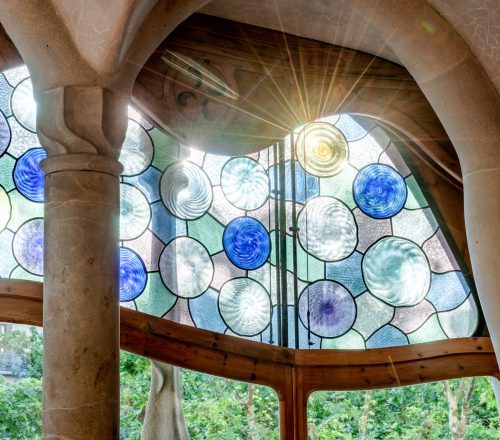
{"x":322,"y":240}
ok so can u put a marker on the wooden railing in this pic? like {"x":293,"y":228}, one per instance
{"x":293,"y":374}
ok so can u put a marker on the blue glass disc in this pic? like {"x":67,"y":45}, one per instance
{"x":380,"y":191}
{"x":133,"y":275}
{"x":28,"y":176}
{"x":246,"y":243}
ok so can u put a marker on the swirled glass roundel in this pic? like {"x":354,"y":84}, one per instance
{"x":28,"y":246}
{"x":247,"y":243}
{"x":245,"y":306}
{"x":331,"y":308}
{"x":245,"y":183}
{"x":137,"y":150}
{"x":322,"y":149}
{"x":185,"y":190}
{"x":28,"y":176}
{"x":135,"y":212}
{"x":186,"y":267}
{"x":133,"y":275}
{"x":24,"y":106}
{"x":327,"y":229}
{"x":380,"y":191}
{"x":396,"y":270}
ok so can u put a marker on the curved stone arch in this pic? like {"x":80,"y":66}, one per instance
{"x":449,"y":75}
{"x":468,"y":106}
{"x":429,"y":48}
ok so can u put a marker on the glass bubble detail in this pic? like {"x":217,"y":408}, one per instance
{"x":327,"y":229}
{"x":245,"y":306}
{"x":245,"y":183}
{"x":28,"y":176}
{"x":397,"y":271}
{"x":133,"y":275}
{"x":247,"y":243}
{"x":186,"y":267}
{"x":331,"y":309}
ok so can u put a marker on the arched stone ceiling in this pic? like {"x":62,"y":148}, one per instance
{"x":340,"y":22}
{"x":331,"y":21}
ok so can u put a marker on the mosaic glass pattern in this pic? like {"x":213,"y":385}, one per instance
{"x":324,"y":240}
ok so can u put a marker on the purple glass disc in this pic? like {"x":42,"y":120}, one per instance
{"x":331,"y":306}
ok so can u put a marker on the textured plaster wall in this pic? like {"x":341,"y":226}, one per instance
{"x":478,"y":23}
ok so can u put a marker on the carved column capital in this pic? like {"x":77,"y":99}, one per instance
{"x":81,"y":120}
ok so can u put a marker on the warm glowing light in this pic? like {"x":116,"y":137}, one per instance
{"x":322,"y":149}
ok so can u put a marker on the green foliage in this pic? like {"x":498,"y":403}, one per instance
{"x":135,"y":379}
{"x":407,"y":413}
{"x":483,"y":422}
{"x":214,"y":408}
{"x":20,"y":409}
{"x":217,"y":409}
{"x":15,"y":341}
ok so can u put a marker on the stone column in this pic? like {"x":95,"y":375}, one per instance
{"x":81,"y":309}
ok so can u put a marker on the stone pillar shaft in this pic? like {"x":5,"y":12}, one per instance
{"x":483,"y":235}
{"x":81,"y":307}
